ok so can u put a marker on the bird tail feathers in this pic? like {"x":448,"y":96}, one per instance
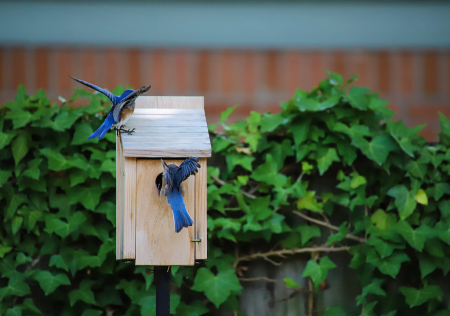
{"x":181,"y":217}
{"x":104,"y":128}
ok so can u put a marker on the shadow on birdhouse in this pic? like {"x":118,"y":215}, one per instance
{"x":173,"y":129}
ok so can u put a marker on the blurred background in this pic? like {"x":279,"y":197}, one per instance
{"x":248,"y":53}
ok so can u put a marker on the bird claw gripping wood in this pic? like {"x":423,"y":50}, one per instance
{"x":128,"y":131}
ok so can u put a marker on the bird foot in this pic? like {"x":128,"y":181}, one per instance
{"x":128,"y":131}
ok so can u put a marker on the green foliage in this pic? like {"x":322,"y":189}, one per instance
{"x":331,"y":157}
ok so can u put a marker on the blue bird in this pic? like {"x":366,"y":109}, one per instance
{"x":173,"y":175}
{"x":121,"y":110}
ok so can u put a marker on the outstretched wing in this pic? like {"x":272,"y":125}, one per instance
{"x":127,"y":102}
{"x":189,"y":167}
{"x":112,"y":97}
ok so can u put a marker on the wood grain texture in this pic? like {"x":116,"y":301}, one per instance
{"x":169,"y":130}
{"x":201,"y":248}
{"x":157,"y":243}
{"x":161,"y":152}
{"x":152,"y":102}
{"x":146,"y":111}
{"x":119,"y":199}
{"x":129,"y":220}
{"x":136,"y":123}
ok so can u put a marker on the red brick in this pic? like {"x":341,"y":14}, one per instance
{"x":18,"y":64}
{"x":1,"y":71}
{"x":64,"y":70}
{"x":88,"y":64}
{"x":384,"y":70}
{"x":272,"y":71}
{"x":249,"y":72}
{"x":430,"y":72}
{"x":203,"y":71}
{"x":112,"y":69}
{"x":158,"y":71}
{"x":181,"y":72}
{"x":407,"y":73}
{"x":317,"y":70}
{"x":428,"y":110}
{"x":41,"y":66}
{"x":361,"y":61}
{"x":338,"y":64}
{"x":448,"y":72}
{"x":293,"y":71}
{"x":134,"y":69}
{"x":227,"y":71}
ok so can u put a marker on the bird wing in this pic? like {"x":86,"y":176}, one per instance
{"x":127,"y":102}
{"x":189,"y":167}
{"x":112,"y":97}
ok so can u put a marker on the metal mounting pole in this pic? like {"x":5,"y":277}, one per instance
{"x":162,"y":279}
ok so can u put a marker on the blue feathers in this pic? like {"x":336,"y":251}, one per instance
{"x":104,"y":128}
{"x":173,"y":176}
{"x":119,"y":103}
{"x":181,"y":217}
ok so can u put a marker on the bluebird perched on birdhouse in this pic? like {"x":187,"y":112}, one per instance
{"x":173,"y":176}
{"x":121,"y":110}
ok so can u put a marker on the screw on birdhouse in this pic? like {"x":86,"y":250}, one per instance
{"x":195,"y":240}
{"x":149,"y":271}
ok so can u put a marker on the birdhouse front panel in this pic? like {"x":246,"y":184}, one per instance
{"x":174,"y":129}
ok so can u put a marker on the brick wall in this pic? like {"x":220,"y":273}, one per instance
{"x":416,"y":82}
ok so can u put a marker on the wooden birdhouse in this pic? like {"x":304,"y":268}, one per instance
{"x":173,"y":129}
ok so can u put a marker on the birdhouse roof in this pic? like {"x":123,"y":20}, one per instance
{"x":167,"y":127}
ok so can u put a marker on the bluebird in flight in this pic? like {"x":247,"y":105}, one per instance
{"x":121,"y":110}
{"x":173,"y":175}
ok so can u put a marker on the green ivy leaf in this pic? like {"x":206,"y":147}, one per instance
{"x":378,"y":149}
{"x":415,"y":237}
{"x":4,"y":176}
{"x":404,"y":200}
{"x":290,"y":283}
{"x":318,"y":271}
{"x":421,"y":197}
{"x":335,"y":311}
{"x":56,"y":161}
{"x":5,"y":139}
{"x":82,"y":131}
{"x":218,"y":287}
{"x":89,"y":197}
{"x":15,"y":311}
{"x":416,"y":297}
{"x":58,"y":261}
{"x":49,"y":282}
{"x":308,"y":232}
{"x":417,"y":169}
{"x":268,"y":173}
{"x":384,"y":248}
{"x":324,"y":162}
{"x":357,"y":98}
{"x":269,"y":122}
{"x":309,"y":202}
{"x":84,"y":293}
{"x":62,"y":228}
{"x":19,"y":117}
{"x":390,"y":265}
{"x":382,"y":219}
{"x":196,"y":308}
{"x":92,"y":312}
{"x":19,"y":147}
{"x":16,"y":286}
{"x":234,"y":160}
